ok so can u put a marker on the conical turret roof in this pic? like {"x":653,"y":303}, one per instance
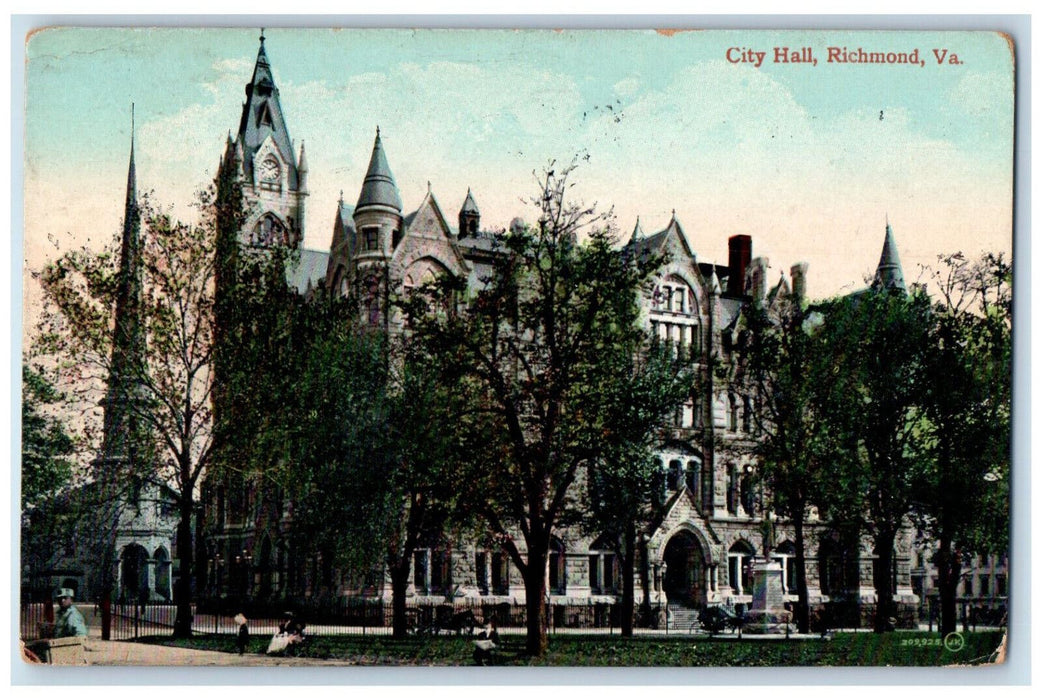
{"x":469,"y":205}
{"x":379,"y":188}
{"x":889,"y":274}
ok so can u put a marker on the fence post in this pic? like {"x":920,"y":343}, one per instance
{"x":137,"y":620}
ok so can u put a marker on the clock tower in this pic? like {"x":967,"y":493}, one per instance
{"x":273,"y":176}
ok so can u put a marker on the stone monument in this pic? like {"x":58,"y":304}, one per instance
{"x":767,"y":613}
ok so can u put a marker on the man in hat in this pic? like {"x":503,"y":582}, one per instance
{"x":69,"y":622}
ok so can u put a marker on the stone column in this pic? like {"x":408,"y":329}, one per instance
{"x":150,"y":567}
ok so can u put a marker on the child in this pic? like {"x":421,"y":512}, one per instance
{"x":243,"y":637}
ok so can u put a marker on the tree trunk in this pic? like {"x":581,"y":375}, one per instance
{"x":882,"y":580}
{"x":645,"y":584}
{"x":949,"y":569}
{"x":399,"y":584}
{"x":628,"y":562}
{"x":183,"y":594}
{"x":802,"y":597}
{"x":535,"y":601}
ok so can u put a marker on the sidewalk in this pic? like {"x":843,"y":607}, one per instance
{"x":102,"y":653}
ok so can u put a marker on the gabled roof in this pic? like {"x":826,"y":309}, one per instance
{"x":262,"y":117}
{"x":655,"y":244}
{"x":379,"y":188}
{"x":427,"y":210}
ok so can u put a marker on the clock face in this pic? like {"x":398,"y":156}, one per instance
{"x":269,"y":170}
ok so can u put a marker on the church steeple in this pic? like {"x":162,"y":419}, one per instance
{"x":379,"y":188}
{"x":888,"y":273}
{"x":128,"y":341}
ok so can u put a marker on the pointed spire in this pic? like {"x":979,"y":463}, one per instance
{"x":131,"y":202}
{"x":638,"y":232}
{"x":302,"y":166}
{"x":889,"y":274}
{"x":379,"y":188}
{"x":128,"y":342}
{"x":469,"y":205}
{"x":262,"y":118}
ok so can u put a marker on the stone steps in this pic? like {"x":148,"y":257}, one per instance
{"x":681,"y":618}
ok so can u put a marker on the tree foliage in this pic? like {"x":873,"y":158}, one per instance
{"x":170,"y":372}
{"x":641,"y":389}
{"x":878,"y":344}
{"x":963,"y":501}
{"x":47,"y":447}
{"x":538,"y":345}
{"x":798,"y":389}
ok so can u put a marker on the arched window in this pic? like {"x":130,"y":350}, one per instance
{"x":739,"y":573}
{"x":785,"y":555}
{"x":269,"y":231}
{"x":747,"y":485}
{"x":675,"y":476}
{"x":694,"y":480}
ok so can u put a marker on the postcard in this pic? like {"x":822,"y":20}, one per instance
{"x":486,"y":347}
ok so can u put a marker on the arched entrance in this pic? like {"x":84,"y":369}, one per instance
{"x":134,"y":579}
{"x":163,"y":588}
{"x":685,"y":579}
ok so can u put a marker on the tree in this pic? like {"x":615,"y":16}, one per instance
{"x":963,"y":504}
{"x":48,"y":516}
{"x":648,"y":383}
{"x":532,"y":346}
{"x":877,"y":344}
{"x":788,"y":365}
{"x":46,"y":445}
{"x":167,"y":367}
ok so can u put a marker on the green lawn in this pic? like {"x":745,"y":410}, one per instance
{"x":845,"y":649}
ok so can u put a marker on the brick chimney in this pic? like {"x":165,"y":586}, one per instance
{"x":739,"y":253}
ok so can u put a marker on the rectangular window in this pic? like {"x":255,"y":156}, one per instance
{"x":1000,"y":584}
{"x":609,"y":573}
{"x":419,"y":561}
{"x":438,"y":578}
{"x":500,"y":574}
{"x":595,"y":579}
{"x":481,"y":571}
{"x":372,"y":234}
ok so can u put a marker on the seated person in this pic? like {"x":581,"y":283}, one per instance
{"x":69,"y":621}
{"x":486,"y":643}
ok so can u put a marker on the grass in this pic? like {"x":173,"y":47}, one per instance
{"x":845,"y":649}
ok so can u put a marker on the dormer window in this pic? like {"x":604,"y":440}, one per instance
{"x":264,"y":115}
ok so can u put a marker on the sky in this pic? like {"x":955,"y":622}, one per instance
{"x":810,"y":160}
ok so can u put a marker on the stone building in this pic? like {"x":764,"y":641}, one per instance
{"x":712,"y":516}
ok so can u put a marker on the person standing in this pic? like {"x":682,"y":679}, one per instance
{"x":69,"y":621}
{"x":243,"y":638}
